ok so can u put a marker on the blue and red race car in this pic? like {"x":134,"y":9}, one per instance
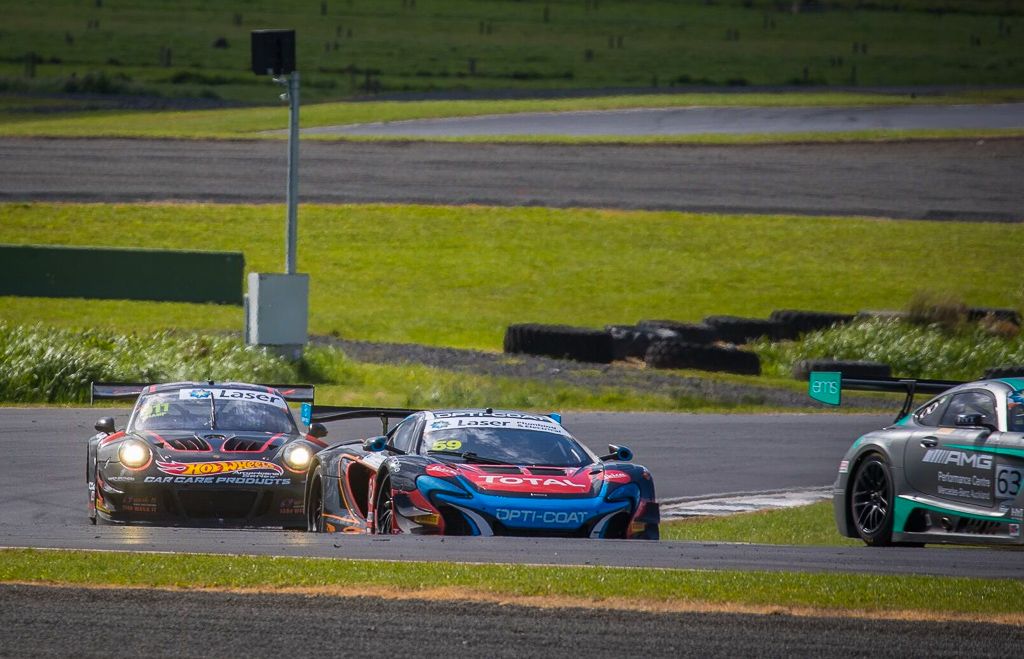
{"x":477,"y":472}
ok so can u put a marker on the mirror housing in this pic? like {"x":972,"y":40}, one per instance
{"x":317,"y":430}
{"x":106,"y":424}
{"x":375,"y":444}
{"x":973,"y":421}
{"x":620,"y":453}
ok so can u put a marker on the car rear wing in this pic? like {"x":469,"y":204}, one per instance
{"x":327,"y":413}
{"x":293,"y":393}
{"x":827,"y":387}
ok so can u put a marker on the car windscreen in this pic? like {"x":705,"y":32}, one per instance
{"x":513,"y":446}
{"x":238,"y":410}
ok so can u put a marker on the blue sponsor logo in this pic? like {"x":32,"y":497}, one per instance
{"x":439,"y":424}
{"x":199,"y":393}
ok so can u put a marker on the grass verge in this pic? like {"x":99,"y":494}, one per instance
{"x":253,"y":122}
{"x":457,"y":276}
{"x":40,"y":364}
{"x":828,"y":594}
{"x":912,"y":350}
{"x":802,"y":525}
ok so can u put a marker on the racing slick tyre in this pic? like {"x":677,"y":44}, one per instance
{"x":384,"y":509}
{"x":850,"y":369}
{"x":795,"y":322}
{"x":315,"y":503}
{"x":679,"y":354}
{"x":871,"y":501}
{"x":688,"y":332}
{"x":581,"y":344}
{"x":734,"y":329}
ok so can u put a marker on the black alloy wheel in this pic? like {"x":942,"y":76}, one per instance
{"x":315,"y":504}
{"x":871,"y":502}
{"x":384,"y":510}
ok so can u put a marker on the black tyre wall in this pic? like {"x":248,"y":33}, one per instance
{"x":679,"y":354}
{"x":850,"y":369}
{"x":741,"y":330}
{"x":561,"y":342}
{"x":687,"y":332}
{"x":795,"y":322}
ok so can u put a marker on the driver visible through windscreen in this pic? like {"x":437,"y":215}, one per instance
{"x":239,"y":410}
{"x":512,"y":441}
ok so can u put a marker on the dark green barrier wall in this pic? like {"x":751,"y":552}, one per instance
{"x":122,"y":274}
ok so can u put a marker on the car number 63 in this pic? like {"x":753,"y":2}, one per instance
{"x":1008,"y":480}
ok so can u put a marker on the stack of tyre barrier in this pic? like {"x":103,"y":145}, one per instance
{"x":709,"y":345}
{"x":849,"y":369}
{"x":560,"y":341}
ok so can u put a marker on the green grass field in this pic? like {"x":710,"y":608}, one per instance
{"x":201,"y":48}
{"x":803,"y":525}
{"x":457,"y":276}
{"x":831,"y":594}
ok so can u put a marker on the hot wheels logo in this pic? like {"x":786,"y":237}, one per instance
{"x":219,"y":467}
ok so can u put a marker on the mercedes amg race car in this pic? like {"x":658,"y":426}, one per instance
{"x":477,"y":472}
{"x":949,"y":471}
{"x":202,"y":453}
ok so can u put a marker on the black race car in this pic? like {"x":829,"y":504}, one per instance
{"x":477,"y":472}
{"x":202,"y":453}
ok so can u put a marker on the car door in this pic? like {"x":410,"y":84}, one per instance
{"x":955,"y":463}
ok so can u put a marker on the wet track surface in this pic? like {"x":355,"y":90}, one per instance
{"x":964,"y":180}
{"x":151,"y":623}
{"x":43,"y":490}
{"x":700,"y":120}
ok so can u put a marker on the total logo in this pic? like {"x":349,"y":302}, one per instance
{"x":531,"y":480}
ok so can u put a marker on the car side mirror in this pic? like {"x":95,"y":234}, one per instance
{"x":317,"y":430}
{"x":106,"y":424}
{"x":375,"y":444}
{"x":973,"y":421}
{"x":621,"y":453}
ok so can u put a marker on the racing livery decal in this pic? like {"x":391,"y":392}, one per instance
{"x":219,"y":467}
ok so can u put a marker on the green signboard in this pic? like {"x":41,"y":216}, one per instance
{"x":121,"y":274}
{"x":826,"y":387}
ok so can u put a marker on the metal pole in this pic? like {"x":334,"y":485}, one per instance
{"x":291,"y":236}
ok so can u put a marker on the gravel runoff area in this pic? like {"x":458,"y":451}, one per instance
{"x":622,"y":376}
{"x":44,"y":621}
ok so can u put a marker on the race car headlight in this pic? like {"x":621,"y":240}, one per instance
{"x":297,"y":456}
{"x":133,"y":454}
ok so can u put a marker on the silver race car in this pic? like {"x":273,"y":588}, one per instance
{"x":949,"y":471}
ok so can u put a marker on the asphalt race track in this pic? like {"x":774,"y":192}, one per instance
{"x":43,"y":489}
{"x":699,"y":120}
{"x":205,"y":624}
{"x":962,"y":180}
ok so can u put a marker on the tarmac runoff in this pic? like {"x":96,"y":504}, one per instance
{"x":741,"y":502}
{"x":698,"y":121}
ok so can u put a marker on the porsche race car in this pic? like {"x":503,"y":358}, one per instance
{"x":202,"y":453}
{"x":949,"y":471}
{"x":479,"y":472}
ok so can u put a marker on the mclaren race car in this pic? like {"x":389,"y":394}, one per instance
{"x":202,"y":453}
{"x":949,"y":471}
{"x":477,"y":472}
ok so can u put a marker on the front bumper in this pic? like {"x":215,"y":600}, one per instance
{"x":439,"y":507}
{"x":123,"y":496}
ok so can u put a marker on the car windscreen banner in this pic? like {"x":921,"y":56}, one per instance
{"x":228,"y":395}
